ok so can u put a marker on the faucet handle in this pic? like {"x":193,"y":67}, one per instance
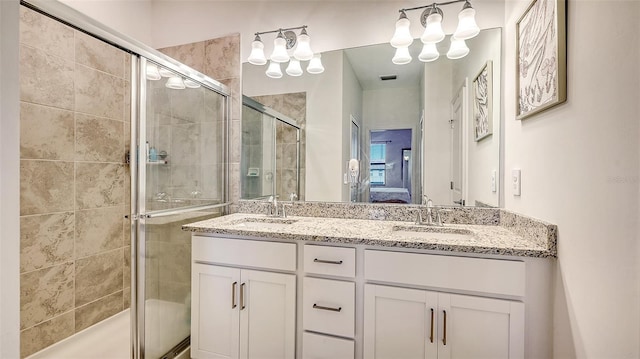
{"x":284,"y":211}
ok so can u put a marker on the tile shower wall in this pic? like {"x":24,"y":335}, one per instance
{"x":293,"y":105}
{"x":74,"y":245}
{"x":220,"y":59}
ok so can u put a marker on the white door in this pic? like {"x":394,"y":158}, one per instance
{"x":457,"y":150}
{"x":473,"y":327}
{"x":399,"y":323}
{"x":267,"y":315}
{"x":215,"y":312}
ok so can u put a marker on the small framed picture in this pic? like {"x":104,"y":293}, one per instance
{"x":541,"y":78}
{"x":483,"y":102}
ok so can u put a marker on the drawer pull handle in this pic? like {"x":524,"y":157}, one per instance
{"x":242,"y":296}
{"x":326,"y":261}
{"x":444,"y":329}
{"x":431,"y":335}
{"x":315,"y":306}
{"x":233,"y":295}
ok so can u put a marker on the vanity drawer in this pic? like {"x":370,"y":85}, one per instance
{"x":328,"y":306}
{"x":327,"y":260}
{"x":495,"y":276}
{"x":245,"y":253}
{"x":317,"y":346}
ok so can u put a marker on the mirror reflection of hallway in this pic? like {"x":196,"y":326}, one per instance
{"x":389,"y":171}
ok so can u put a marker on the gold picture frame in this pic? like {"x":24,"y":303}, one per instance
{"x":541,"y":60}
{"x":483,"y":102}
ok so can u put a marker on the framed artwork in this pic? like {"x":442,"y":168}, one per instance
{"x":541,"y":45}
{"x":483,"y":102}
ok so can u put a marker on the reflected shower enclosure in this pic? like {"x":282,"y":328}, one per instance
{"x":270,"y":164}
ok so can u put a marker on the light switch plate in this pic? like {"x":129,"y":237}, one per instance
{"x":516,"y":181}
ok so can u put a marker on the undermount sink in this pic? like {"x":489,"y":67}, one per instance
{"x":265,"y":222}
{"x":433,"y":232}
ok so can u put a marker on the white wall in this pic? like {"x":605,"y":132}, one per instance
{"x":482,"y":156}
{"x":129,"y":17}
{"x":9,"y":182}
{"x":437,"y":131}
{"x":324,"y":121}
{"x":580,"y":168}
{"x":351,"y":106}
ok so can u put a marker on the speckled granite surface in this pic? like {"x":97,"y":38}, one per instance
{"x":467,"y":230}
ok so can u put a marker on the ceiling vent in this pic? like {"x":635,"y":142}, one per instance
{"x":388,"y":77}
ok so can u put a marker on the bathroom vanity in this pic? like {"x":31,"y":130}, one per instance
{"x":322,"y":287}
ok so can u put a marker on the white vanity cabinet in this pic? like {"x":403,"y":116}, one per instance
{"x":238,"y":312}
{"x":410,"y":323}
{"x":415,"y":323}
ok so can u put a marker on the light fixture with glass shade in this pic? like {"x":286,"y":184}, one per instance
{"x":303,"y":50}
{"x":257,"y":52}
{"x":402,"y":56}
{"x":315,"y":65}
{"x":165,"y":72}
{"x":458,"y":49}
{"x":431,"y":19}
{"x":429,"y":53}
{"x":274,"y":71}
{"x":467,"y":27}
{"x":287,"y":47}
{"x":294,"y":68}
{"x":175,"y":83}
{"x":191,"y":84}
{"x":402,"y":36}
{"x":152,"y":72}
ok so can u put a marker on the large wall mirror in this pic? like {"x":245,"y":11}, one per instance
{"x":373,"y":131}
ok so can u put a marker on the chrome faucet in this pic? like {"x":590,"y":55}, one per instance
{"x":272,"y":208}
{"x":431,"y":211}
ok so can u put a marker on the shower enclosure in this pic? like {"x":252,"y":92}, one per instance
{"x":120,"y":146}
{"x":270,"y":164}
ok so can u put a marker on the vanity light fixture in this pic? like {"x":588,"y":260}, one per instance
{"x":283,"y":45}
{"x":431,"y":20}
{"x":175,"y":83}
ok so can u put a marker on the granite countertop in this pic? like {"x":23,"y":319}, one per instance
{"x":468,"y":238}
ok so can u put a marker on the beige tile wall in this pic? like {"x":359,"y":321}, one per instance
{"x":74,"y":185}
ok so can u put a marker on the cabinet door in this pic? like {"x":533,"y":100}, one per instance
{"x":399,"y":323}
{"x":215,"y":312}
{"x":480,"y":328}
{"x":267,"y":315}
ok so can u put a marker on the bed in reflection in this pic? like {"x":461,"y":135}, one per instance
{"x":389,"y":195}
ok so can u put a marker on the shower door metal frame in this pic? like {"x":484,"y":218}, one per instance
{"x":139,"y":210}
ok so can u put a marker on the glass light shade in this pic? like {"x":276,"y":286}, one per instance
{"x":257,"y":53}
{"x":152,"y":72}
{"x":467,"y":27}
{"x":294,"y":68}
{"x":402,"y":56}
{"x":274,"y":70}
{"x":175,"y":83}
{"x":315,"y":65}
{"x":191,"y":84}
{"x":280,"y":50}
{"x":303,"y":50}
{"x":402,"y":36}
{"x":433,"y":32}
{"x":429,"y":53}
{"x":458,"y":49}
{"x":165,"y":73}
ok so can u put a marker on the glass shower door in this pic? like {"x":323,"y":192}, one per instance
{"x":181,"y":179}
